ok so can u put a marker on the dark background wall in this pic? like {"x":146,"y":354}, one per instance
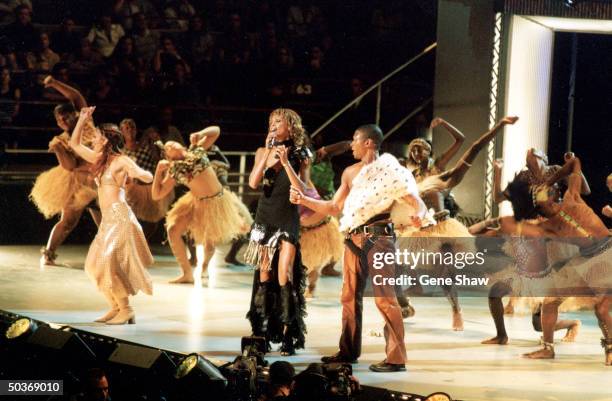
{"x":592,"y":132}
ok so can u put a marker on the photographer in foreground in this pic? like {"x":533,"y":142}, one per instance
{"x":281,"y":379}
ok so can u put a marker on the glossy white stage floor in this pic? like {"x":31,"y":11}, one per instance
{"x":211,"y":320}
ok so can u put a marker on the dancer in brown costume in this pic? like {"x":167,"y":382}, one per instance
{"x":369,"y":190}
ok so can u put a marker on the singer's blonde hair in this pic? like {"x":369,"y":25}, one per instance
{"x":294,"y":121}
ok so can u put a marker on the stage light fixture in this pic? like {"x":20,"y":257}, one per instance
{"x":195,"y":375}
{"x":438,"y":397}
{"x":21,"y":328}
{"x":194,"y":364}
{"x":69,"y":346}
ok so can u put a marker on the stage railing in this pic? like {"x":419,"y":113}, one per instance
{"x":378,"y":87}
{"x":239,"y":182}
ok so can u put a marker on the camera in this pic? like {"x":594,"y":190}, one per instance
{"x":329,"y":382}
{"x":341,"y":386}
{"x":248,"y":375}
{"x":254,"y":347}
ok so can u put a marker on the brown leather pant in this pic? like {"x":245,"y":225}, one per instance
{"x":357,"y":269}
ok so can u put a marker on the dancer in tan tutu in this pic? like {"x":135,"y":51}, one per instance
{"x":451,"y":234}
{"x":119,"y":254}
{"x":68,"y":188}
{"x":321,"y":242}
{"x":208,"y":212}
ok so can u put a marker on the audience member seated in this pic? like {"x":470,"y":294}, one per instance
{"x":9,"y":97}
{"x":180,"y":90}
{"x":177,"y":14}
{"x":146,"y":41}
{"x":126,"y":10}
{"x":235,"y":44}
{"x":198,"y":43}
{"x":167,"y":57}
{"x":86,"y":58}
{"x":105,"y":35}
{"x":138,"y":147}
{"x":141,"y":90}
{"x":164,"y":127}
{"x":7,"y":10}
{"x":43,"y":58}
{"x":124,"y":60}
{"x":22,"y":35}
{"x":102,"y":91}
{"x":66,"y":40}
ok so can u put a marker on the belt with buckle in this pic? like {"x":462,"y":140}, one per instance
{"x":382,"y":229}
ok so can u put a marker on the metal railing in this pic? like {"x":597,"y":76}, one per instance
{"x":239,"y":184}
{"x":378,"y":87}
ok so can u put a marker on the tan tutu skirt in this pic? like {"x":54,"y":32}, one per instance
{"x":145,"y":208}
{"x":119,"y":254}
{"x":449,"y":232}
{"x":588,"y":275}
{"x":216,"y":219}
{"x":243,"y":211}
{"x":526,"y":305}
{"x":58,"y":188}
{"x":321,"y":245}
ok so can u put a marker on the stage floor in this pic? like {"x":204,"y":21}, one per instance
{"x":211,"y":320}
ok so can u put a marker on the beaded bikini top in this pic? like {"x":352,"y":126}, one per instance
{"x":195,"y":162}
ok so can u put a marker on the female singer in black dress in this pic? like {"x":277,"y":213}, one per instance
{"x":277,"y":303}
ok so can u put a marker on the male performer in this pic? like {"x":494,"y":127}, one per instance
{"x":367,"y":192}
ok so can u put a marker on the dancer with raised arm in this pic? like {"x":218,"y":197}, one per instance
{"x":277,"y":302}
{"x":453,"y":235}
{"x":588,"y":274}
{"x":420,"y":159}
{"x":369,"y":190}
{"x":525,"y":279}
{"x":119,"y":254}
{"x":208,"y":212}
{"x":68,"y":188}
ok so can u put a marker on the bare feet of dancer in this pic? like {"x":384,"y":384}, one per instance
{"x":548,"y":352}
{"x":313,"y":277}
{"x":329,"y":271}
{"x":608,"y":350}
{"x":204,"y":273}
{"x":48,"y":258}
{"x":499,"y":340}
{"x":509,"y":309}
{"x":572,"y":332}
{"x":457,"y":320}
{"x":408,"y":311}
{"x":183,"y":279}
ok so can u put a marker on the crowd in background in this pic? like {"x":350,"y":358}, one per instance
{"x":186,"y":52}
